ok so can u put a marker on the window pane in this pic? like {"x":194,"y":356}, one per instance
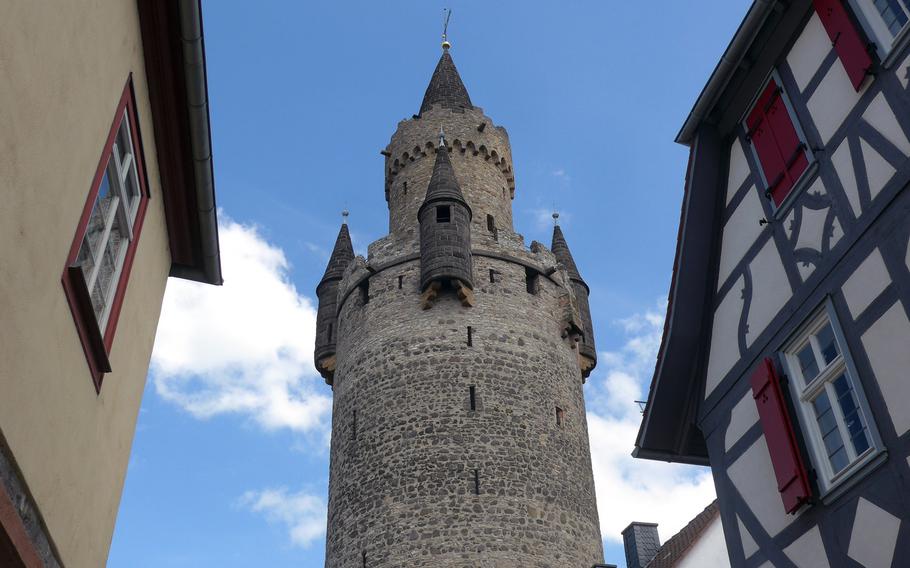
{"x":109,"y":267}
{"x":123,"y":142}
{"x":833,"y":441}
{"x":892,"y":14}
{"x":131,"y":191}
{"x":807,"y":363}
{"x":827,"y":343}
{"x":852,"y":415}
{"x":839,"y":460}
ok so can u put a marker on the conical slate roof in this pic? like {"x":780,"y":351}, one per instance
{"x":445,"y":87}
{"x":443,"y":184}
{"x":561,"y":249}
{"x":342,"y":255}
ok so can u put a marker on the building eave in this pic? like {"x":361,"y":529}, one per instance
{"x":174,"y":51}
{"x":729,"y":62}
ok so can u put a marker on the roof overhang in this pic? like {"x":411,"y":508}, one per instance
{"x":174,"y":51}
{"x":729,"y":62}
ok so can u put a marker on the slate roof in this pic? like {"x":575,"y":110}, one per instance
{"x":443,"y":184}
{"x":679,"y":544}
{"x":446,"y":88}
{"x":560,"y":248}
{"x":342,"y":255}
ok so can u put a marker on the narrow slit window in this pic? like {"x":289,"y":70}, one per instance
{"x":472,"y":394}
{"x":363,"y":556}
{"x":531,"y":280}
{"x":404,"y":188}
{"x":492,"y":276}
{"x":491,"y":224}
{"x":470,"y":336}
{"x":365,"y":292}
{"x":400,"y":281}
{"x":330,"y":332}
{"x":476,"y":482}
{"x":354,"y":426}
{"x":444,"y":214}
{"x":560,"y":416}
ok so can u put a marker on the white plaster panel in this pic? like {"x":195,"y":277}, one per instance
{"x":843,"y":165}
{"x":805,"y":269}
{"x":808,"y":551}
{"x":874,"y":535}
{"x":886,"y":345}
{"x":709,"y":549}
{"x":749,"y":546}
{"x":743,"y":416}
{"x":770,"y":290}
{"x":740,"y":232}
{"x":881,"y":117}
{"x":878,"y":170}
{"x":754,"y":478}
{"x":724,"y":330}
{"x":812,"y":229}
{"x":789,"y":225}
{"x":739,"y":169}
{"x":809,"y":51}
{"x":832,"y":101}
{"x":865,"y":284}
{"x":836,"y":233}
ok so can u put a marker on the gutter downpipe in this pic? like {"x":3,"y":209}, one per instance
{"x":728,"y":63}
{"x":200,"y":136}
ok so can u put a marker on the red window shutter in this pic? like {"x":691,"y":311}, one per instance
{"x":792,"y":478}
{"x":850,"y":46}
{"x":780,"y":151}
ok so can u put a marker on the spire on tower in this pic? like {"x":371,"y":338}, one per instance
{"x":446,"y":88}
{"x":560,"y":248}
{"x":342,"y":254}
{"x":443,"y":184}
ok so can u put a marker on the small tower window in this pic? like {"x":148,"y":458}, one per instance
{"x":404,"y":187}
{"x":363,"y":557}
{"x":470,"y":336}
{"x":354,"y":426}
{"x":476,"y":482}
{"x":400,"y":280}
{"x":472,"y":394}
{"x":491,"y":223}
{"x":365,"y":292}
{"x":444,"y":214}
{"x":330,"y":332}
{"x":560,"y":416}
{"x":532,"y":280}
{"x":492,"y":276}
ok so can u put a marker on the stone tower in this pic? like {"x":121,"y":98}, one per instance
{"x":456,"y":357}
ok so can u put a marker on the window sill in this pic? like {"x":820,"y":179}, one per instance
{"x":853,"y":475}
{"x":804,"y":181}
{"x":90,"y":336}
{"x":897,"y":47}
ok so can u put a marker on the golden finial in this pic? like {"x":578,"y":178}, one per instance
{"x":445,"y":28}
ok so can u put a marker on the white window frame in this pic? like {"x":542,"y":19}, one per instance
{"x":876,"y":30}
{"x":118,"y":173}
{"x":804,"y":393}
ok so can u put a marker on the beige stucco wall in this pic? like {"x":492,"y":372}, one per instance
{"x":63,"y":66}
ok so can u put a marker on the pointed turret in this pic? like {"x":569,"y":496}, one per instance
{"x":446,"y":88}
{"x":586,"y":347}
{"x":445,"y":232}
{"x":327,"y":292}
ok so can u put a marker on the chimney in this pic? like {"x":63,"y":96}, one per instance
{"x":641,"y":543}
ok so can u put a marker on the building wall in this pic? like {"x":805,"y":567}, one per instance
{"x":843,"y":239}
{"x":64,"y":67}
{"x":405,"y":442}
{"x":709,"y":550}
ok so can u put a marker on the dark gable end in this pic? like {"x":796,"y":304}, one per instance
{"x":174,"y":52}
{"x":668,"y":431}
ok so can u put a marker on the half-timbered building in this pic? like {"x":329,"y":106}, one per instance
{"x":785,"y":356}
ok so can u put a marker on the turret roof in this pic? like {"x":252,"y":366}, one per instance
{"x":446,"y":88}
{"x":443,"y":184}
{"x":342,"y":255}
{"x":560,"y":248}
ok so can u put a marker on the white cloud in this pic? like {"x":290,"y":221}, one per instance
{"x":243,"y":348}
{"x":630,"y":489}
{"x":302,"y":513}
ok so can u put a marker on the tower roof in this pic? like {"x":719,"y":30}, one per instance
{"x":561,"y":249}
{"x":342,"y":255}
{"x":446,"y":88}
{"x":443,"y":184}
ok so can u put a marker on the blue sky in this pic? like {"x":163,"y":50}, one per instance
{"x":229,"y":465}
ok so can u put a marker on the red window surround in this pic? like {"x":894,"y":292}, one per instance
{"x":850,"y":46}
{"x":792,"y":478}
{"x":96,"y":343}
{"x":780,"y":151}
